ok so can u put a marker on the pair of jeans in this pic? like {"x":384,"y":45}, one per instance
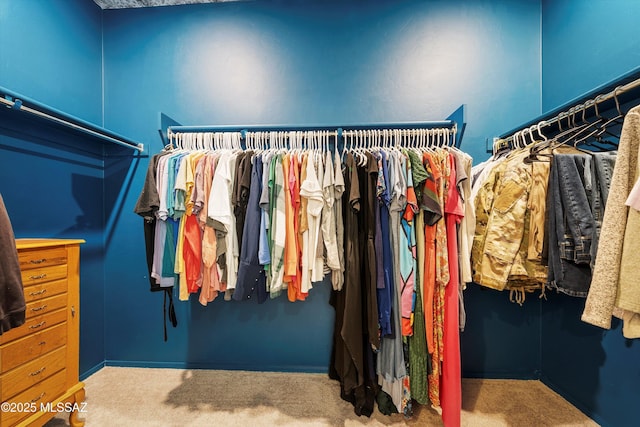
{"x":571,"y":226}
{"x":598,"y":173}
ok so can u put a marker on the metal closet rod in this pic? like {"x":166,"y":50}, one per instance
{"x":17,"y":101}
{"x":578,"y":108}
{"x":338,"y":129}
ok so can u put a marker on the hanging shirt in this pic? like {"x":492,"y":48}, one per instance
{"x":147,"y":206}
{"x":305,"y":270}
{"x":161,"y":227}
{"x":179,"y":207}
{"x":418,"y":353}
{"x":278,"y":228}
{"x":192,"y":234}
{"x":385,"y":295}
{"x":212,"y":282}
{"x":390,"y":364}
{"x":251,"y":277}
{"x":317,"y":269}
{"x":264,"y":251}
{"x":328,"y":225}
{"x":408,"y":261}
{"x":240,"y":193}
{"x":290,"y":243}
{"x":467,"y":228}
{"x":312,"y":192}
{"x":220,"y":210}
{"x":337,"y":276}
{"x":367,"y":175}
{"x":295,"y":286}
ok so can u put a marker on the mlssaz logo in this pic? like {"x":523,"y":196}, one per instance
{"x":64,"y":407}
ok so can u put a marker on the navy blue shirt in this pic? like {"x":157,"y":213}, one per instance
{"x":251,"y":277}
{"x":385,"y":295}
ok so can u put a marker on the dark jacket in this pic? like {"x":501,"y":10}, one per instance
{"x":12,"y":305}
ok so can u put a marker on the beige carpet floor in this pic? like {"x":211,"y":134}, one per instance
{"x":174,"y":397}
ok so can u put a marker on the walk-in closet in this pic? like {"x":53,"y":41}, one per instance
{"x":319,"y":213}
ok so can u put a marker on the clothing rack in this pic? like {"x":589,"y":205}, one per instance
{"x":402,"y":129}
{"x":22,"y":103}
{"x":605,"y":97}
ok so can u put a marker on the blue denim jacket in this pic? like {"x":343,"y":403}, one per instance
{"x":579,"y":185}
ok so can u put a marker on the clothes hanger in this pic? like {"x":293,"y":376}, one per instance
{"x":535,"y":154}
{"x":584,"y":128}
{"x":170,"y":137}
{"x":362,"y":158}
{"x":583,"y":139}
{"x":571,"y":128}
{"x":450,"y":136}
{"x":199,"y":141}
{"x":186,"y":141}
{"x":617,"y":120}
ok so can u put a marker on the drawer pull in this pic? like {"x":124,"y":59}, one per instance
{"x":33,"y":294}
{"x":38,"y":398}
{"x":42,"y":343}
{"x":38,"y":372}
{"x":38,"y":261}
{"x":39,"y":308}
{"x":38,"y":325}
{"x":39,"y":276}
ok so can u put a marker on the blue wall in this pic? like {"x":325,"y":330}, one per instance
{"x":52,"y":180}
{"x":51,"y":52}
{"x":299,"y":63}
{"x":586,"y":44}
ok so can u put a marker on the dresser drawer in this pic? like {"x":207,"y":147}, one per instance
{"x":30,"y":347}
{"x":31,"y":373}
{"x":45,"y":305}
{"x":46,"y":391}
{"x":35,"y":324}
{"x":44,"y":274}
{"x":43,"y":290}
{"x":34,"y":258}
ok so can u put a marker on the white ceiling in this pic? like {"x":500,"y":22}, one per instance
{"x":124,"y":4}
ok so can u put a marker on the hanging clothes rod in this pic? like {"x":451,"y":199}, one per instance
{"x":272,"y":128}
{"x":610,"y":91}
{"x":19,"y":102}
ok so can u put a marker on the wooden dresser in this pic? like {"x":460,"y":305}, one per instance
{"x":39,"y":360}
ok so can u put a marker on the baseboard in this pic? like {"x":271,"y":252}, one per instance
{"x":91,"y":371}
{"x":502,"y":375}
{"x":218,"y":366}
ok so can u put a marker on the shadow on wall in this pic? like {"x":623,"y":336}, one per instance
{"x":277,"y":335}
{"x":573,"y":353}
{"x":120,"y":167}
{"x":503,"y":329}
{"x":41,"y":167}
{"x":75,"y":182}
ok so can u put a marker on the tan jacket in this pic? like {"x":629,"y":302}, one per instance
{"x":612,"y":268}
